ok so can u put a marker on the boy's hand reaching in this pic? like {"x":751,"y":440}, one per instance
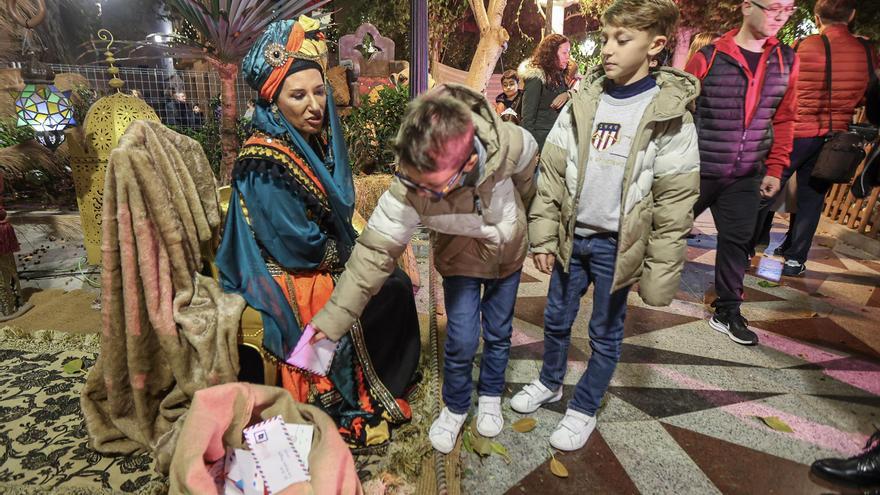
{"x":545,"y":262}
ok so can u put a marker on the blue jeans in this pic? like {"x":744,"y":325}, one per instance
{"x":465,"y":308}
{"x":592,"y":262}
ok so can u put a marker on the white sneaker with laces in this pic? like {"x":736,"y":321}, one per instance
{"x":490,"y":422}
{"x":573,"y":431}
{"x":444,"y":431}
{"x":533,"y":396}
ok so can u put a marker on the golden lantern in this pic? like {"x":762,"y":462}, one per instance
{"x":90,"y":147}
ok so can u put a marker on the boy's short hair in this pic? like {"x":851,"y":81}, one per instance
{"x":508,"y":75}
{"x":431,"y":123}
{"x":659,"y":17}
{"x":835,"y":11}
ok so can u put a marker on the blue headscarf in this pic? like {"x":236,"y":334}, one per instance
{"x":256,"y":69}
{"x":243,"y":269}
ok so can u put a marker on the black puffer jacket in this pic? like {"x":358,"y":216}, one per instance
{"x":537,"y":116}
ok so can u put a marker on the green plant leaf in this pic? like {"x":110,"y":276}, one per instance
{"x":500,"y":450}
{"x":482,"y":446}
{"x":524,"y":425}
{"x":73,"y":366}
{"x":466,"y":440}
{"x":776,"y":423}
{"x":767,"y":284}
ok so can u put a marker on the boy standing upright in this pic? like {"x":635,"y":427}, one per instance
{"x":468,"y":177}
{"x":745,"y":119}
{"x":613,"y":206}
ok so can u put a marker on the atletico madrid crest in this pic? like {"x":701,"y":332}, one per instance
{"x":605,"y":136}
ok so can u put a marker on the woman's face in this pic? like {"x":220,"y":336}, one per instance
{"x":563,"y":54}
{"x":303,"y":100}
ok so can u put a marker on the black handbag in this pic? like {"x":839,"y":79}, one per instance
{"x":843,"y":151}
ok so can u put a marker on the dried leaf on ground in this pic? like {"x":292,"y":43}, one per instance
{"x":73,"y":366}
{"x":524,"y":425}
{"x":776,"y":423}
{"x":558,"y":468}
{"x":767,"y":284}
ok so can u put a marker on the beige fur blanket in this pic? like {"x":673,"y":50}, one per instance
{"x":168,"y":331}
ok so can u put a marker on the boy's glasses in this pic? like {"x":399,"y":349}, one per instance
{"x":775,"y":8}
{"x":435,"y":195}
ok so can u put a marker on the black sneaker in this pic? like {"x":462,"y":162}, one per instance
{"x":863,"y":469}
{"x":793,"y":268}
{"x":731,"y":323}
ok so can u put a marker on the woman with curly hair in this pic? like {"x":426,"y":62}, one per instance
{"x":545,"y":86}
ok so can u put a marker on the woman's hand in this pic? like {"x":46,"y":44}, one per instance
{"x":560,"y":101}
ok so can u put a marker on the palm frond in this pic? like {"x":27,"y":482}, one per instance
{"x":228,"y":28}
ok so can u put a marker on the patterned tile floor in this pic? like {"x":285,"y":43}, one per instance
{"x":681,"y":415}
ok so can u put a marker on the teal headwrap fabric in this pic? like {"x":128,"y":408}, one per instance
{"x":239,"y":258}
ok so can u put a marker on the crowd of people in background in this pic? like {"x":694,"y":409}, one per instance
{"x":760,"y":118}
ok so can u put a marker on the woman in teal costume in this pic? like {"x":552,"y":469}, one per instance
{"x":288,"y":234}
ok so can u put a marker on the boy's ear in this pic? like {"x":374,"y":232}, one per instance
{"x":657,"y":45}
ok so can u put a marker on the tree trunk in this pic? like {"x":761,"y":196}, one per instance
{"x":228,"y":120}
{"x":492,"y":39}
{"x":485,"y":58}
{"x":548,"y":17}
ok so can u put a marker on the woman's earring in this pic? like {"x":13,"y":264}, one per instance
{"x":274,"y":109}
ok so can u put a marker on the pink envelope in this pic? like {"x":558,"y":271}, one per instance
{"x":315,"y":358}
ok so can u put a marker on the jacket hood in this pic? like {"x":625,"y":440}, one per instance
{"x":486,"y":121}
{"x":678,"y":91}
{"x":528,"y":71}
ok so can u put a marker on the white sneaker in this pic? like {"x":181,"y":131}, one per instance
{"x":445,"y":430}
{"x":533,"y":396}
{"x":490,"y":422}
{"x":573,"y":431}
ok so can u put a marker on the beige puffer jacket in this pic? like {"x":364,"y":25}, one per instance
{"x":478,"y":231}
{"x":661,"y":185}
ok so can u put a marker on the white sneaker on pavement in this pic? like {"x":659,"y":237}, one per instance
{"x":490,"y":422}
{"x":444,"y":431}
{"x":533,"y":396}
{"x":573,"y":431}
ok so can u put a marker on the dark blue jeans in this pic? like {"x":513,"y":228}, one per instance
{"x":465,"y":308}
{"x":810,"y":197}
{"x":592,"y":262}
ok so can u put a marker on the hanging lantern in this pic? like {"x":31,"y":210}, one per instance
{"x":90,"y":147}
{"x":47,"y":111}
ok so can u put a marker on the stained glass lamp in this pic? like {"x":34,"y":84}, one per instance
{"x":47,"y":111}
